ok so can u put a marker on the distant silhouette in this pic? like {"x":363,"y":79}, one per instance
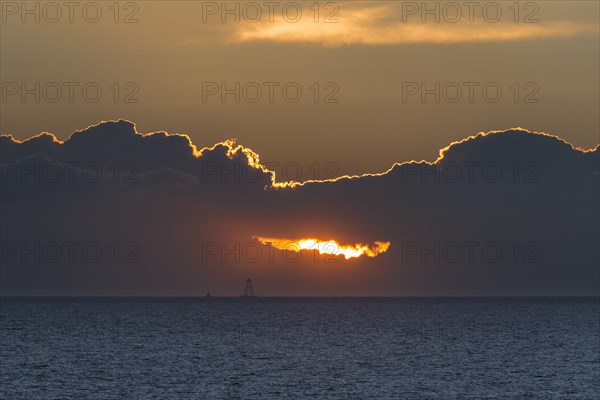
{"x":208,"y":294}
{"x":248,"y":289}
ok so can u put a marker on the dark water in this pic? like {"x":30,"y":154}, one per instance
{"x":229,"y":348}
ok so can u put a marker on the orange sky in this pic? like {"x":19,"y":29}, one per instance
{"x":363,"y":55}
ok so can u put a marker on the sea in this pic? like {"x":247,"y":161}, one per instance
{"x":299,"y":348}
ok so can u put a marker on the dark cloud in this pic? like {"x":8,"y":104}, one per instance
{"x":186,"y":218}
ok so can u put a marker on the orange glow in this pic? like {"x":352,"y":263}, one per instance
{"x":327,"y":246}
{"x":376,"y":26}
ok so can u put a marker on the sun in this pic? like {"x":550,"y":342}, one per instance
{"x":329,"y":246}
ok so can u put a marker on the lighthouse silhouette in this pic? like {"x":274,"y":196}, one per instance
{"x":248,"y":289}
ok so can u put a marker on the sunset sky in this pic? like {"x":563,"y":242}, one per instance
{"x":373,"y":49}
{"x":157,"y":135}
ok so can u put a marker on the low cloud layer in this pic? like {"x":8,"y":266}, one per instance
{"x":502,"y":213}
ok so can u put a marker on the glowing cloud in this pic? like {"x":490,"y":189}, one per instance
{"x":331,"y":247}
{"x":373,"y":26}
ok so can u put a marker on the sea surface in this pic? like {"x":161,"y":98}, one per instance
{"x":299,"y":348}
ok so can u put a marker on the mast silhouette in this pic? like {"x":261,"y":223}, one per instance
{"x":248,"y":289}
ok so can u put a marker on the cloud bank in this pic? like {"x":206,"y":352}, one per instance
{"x":500,"y":213}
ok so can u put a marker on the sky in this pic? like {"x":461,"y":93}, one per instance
{"x":115,"y":212}
{"x":349,"y":148}
{"x":366,"y":63}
